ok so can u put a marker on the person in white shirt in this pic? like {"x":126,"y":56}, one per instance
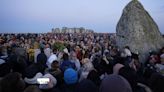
{"x":47,"y":50}
{"x":52,"y":58}
{"x":75,"y":60}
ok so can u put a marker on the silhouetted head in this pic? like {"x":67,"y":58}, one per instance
{"x":65,"y":56}
{"x":115,"y":83}
{"x":32,"y":88}
{"x":130,"y":75}
{"x":86,"y":86}
{"x":12,"y":82}
{"x":157,"y":82}
{"x":42,"y":50}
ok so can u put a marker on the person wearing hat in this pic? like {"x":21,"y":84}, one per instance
{"x":70,"y":76}
{"x":70,"y":79}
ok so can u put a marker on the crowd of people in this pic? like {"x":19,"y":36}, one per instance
{"x":76,"y":63}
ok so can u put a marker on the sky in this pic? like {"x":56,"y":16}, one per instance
{"x":40,"y":16}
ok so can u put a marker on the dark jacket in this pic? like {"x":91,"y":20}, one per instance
{"x":67,"y":64}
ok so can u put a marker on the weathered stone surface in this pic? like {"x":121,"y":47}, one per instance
{"x":138,"y":30}
{"x":72,"y":30}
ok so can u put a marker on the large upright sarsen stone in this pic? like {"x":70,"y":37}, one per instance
{"x":138,"y":30}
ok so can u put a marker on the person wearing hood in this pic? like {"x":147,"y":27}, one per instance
{"x":86,"y":86}
{"x":70,"y":80}
{"x":115,"y":83}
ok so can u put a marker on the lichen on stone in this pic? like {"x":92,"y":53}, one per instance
{"x":137,"y":29}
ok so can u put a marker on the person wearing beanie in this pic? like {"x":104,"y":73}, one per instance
{"x":70,"y":79}
{"x":70,"y":76}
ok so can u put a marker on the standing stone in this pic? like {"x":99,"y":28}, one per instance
{"x":138,"y":30}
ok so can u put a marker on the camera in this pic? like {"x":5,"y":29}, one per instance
{"x":43,"y":80}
